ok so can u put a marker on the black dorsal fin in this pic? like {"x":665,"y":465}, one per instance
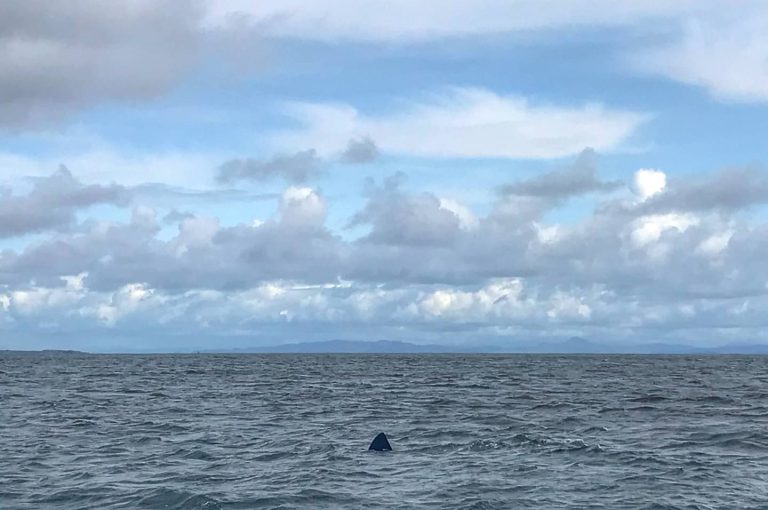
{"x":380,"y":443}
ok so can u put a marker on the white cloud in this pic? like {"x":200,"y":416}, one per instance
{"x":444,"y":301}
{"x":567,"y":306}
{"x":40,"y":299}
{"x":715,"y":244}
{"x":649,"y":182}
{"x":723,"y":50}
{"x":122,"y":302}
{"x":648,"y":229}
{"x":76,"y":282}
{"x":464,"y":122}
{"x":548,"y":234}
{"x":499,"y":298}
{"x":725,"y":53}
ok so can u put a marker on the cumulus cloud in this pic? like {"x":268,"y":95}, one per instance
{"x":399,"y":218}
{"x":465,"y":123}
{"x":53,"y":203}
{"x":293,"y":244}
{"x":294,"y":168}
{"x":122,"y":302}
{"x":56,"y":58}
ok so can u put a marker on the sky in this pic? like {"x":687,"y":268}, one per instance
{"x":184,"y":174}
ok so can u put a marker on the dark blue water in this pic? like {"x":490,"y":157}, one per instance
{"x":291,"y":431}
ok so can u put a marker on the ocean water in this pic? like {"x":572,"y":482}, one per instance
{"x":469,"y":431}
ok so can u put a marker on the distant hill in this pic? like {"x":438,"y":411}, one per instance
{"x":352,"y":346}
{"x":569,"y":346}
{"x":53,"y":352}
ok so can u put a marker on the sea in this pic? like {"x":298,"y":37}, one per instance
{"x":468,"y":431}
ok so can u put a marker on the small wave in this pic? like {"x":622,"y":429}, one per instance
{"x":132,"y":391}
{"x":594,"y":428}
{"x":642,"y":408}
{"x":529,"y":439}
{"x":110,"y":449}
{"x":81,"y":475}
{"x":731,"y":441}
{"x":711,"y":399}
{"x":648,"y":399}
{"x":437,"y":434}
{"x":84,"y":422}
{"x":269,"y":457}
{"x":486,"y":444}
{"x":551,"y":405}
{"x":147,"y":439}
{"x":171,"y":499}
{"x":195,"y":454}
{"x":611,"y":409}
{"x":481,"y":505}
{"x":570,"y":445}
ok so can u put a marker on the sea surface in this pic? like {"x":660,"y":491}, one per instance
{"x":468,"y":431}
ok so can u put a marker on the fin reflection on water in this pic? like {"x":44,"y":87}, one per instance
{"x":380,"y":443}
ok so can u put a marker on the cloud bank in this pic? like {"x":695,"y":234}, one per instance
{"x":651,"y":265}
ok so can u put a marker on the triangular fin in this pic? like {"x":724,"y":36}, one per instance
{"x":380,"y":443}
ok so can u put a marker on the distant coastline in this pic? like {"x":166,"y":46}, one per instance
{"x":569,"y":346}
{"x":58,"y":352}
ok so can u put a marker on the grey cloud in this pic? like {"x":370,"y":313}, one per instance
{"x":295,"y":168}
{"x":413,"y":239}
{"x":598,"y":251}
{"x":359,"y":151}
{"x":578,"y":179}
{"x":727,"y":190}
{"x":57,"y":57}
{"x":401,"y":219}
{"x":52,"y":203}
{"x":294,"y":244}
